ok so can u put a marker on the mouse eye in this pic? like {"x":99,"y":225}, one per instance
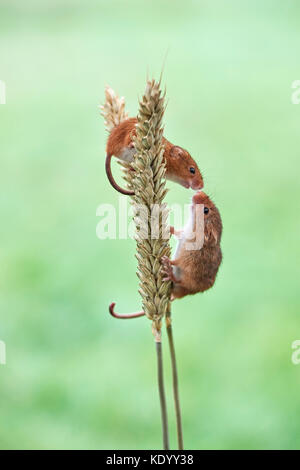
{"x":206,"y":210}
{"x":192,"y":170}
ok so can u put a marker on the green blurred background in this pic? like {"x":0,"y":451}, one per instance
{"x":76,"y":378}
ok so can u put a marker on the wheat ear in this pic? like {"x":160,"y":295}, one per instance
{"x":113,"y":109}
{"x":148,"y":184}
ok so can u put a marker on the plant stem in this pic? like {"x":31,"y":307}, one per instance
{"x":162,"y":395}
{"x":175,"y":382}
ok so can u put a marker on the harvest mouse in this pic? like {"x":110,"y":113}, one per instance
{"x":180,"y":166}
{"x":192,"y":270}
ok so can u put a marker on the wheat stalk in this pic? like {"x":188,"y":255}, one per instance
{"x":175,"y":380}
{"x":148,"y":184}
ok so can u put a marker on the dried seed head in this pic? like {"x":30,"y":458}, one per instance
{"x":148,"y":183}
{"x":113,"y":109}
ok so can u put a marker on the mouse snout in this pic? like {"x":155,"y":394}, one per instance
{"x":196,"y":186}
{"x":197,"y":183}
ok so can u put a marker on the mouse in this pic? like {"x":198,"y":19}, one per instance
{"x":192,"y":270}
{"x":180,"y":166}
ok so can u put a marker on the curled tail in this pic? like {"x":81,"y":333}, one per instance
{"x":124,"y":316}
{"x":111,"y":178}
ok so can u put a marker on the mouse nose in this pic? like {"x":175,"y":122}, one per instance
{"x":196,"y":185}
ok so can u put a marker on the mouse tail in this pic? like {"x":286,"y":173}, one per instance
{"x":111,"y":178}
{"x":125,"y":315}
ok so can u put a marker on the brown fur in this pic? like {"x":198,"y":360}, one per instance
{"x":178,"y":160}
{"x":121,"y":136}
{"x":198,"y":268}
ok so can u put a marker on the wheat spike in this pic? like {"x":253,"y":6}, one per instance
{"x":113,"y":109}
{"x":148,"y":184}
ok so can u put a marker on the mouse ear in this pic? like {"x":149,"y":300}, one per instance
{"x":212,"y":233}
{"x":215,"y":235}
{"x":176,"y":152}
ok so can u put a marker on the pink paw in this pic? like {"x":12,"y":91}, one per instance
{"x":167,"y":270}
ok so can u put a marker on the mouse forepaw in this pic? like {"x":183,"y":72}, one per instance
{"x":167,"y":270}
